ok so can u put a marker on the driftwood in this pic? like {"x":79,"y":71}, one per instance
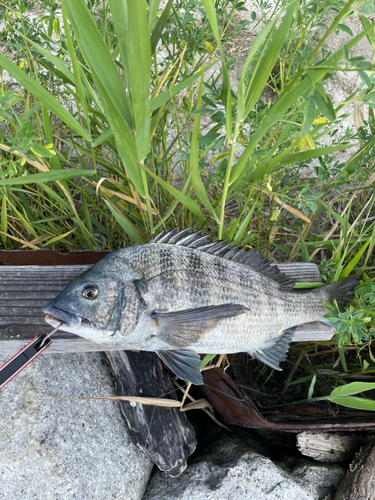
{"x":325,"y":447}
{"x":359,"y":482}
{"x":235,"y":408}
{"x":24,"y":290}
{"x":165,"y":434}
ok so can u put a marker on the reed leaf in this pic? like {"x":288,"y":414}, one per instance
{"x":43,"y":96}
{"x":52,"y":175}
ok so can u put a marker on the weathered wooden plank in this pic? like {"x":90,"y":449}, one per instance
{"x":327,"y":447}
{"x":25,"y":290}
{"x":235,"y":408}
{"x":165,"y":434}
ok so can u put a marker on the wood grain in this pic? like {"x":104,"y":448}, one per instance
{"x":359,"y":482}
{"x":25,"y":290}
{"x":165,"y":434}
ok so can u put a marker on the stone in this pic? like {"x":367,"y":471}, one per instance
{"x":229,"y":469}
{"x":56,"y":449}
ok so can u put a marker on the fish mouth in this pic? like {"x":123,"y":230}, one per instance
{"x":55,"y":316}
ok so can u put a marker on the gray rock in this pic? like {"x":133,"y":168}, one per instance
{"x":55,"y":449}
{"x":229,"y":469}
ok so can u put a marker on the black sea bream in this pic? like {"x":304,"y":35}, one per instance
{"x":180,"y":295}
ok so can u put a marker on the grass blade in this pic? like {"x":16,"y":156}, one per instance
{"x":354,"y":261}
{"x":185,"y":200}
{"x":139,"y":65}
{"x":98,"y":56}
{"x":166,"y":96}
{"x":309,"y":115}
{"x":160,"y":25}
{"x":42,"y":95}
{"x":268,"y":61}
{"x":125,"y":224}
{"x":198,"y":185}
{"x":52,"y":175}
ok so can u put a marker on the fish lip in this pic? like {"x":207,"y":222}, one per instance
{"x":59,"y":315}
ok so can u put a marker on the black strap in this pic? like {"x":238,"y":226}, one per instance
{"x":23,"y":358}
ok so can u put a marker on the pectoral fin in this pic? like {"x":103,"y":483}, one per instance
{"x":183,"y":363}
{"x":275,"y":353}
{"x":182,"y":328}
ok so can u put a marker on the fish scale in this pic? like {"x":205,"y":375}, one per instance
{"x":181,"y":295}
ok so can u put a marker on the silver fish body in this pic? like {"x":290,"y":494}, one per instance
{"x":182,"y":295}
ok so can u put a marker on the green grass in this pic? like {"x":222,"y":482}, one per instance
{"x":125,"y":120}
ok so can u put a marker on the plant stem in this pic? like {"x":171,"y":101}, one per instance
{"x":341,"y":353}
{"x":147,"y":196}
{"x":226,"y":181}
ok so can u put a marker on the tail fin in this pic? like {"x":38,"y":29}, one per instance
{"x":342,"y":291}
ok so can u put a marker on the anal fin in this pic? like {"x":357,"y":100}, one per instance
{"x":183,"y":363}
{"x":274,"y":354}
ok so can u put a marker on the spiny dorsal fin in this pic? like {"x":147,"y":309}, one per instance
{"x":221,"y":249}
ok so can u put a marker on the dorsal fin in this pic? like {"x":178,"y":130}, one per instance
{"x":221,"y":249}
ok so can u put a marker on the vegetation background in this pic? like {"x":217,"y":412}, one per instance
{"x":120,"y":119}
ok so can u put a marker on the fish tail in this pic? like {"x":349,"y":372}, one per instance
{"x":342,"y":291}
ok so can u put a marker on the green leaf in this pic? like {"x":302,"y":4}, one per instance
{"x":275,"y":214}
{"x":311,"y":153}
{"x":185,"y":200}
{"x":305,"y":252}
{"x":40,"y":150}
{"x":368,"y":8}
{"x":77,"y":75}
{"x":353,"y":402}
{"x":160,"y":25}
{"x":102,"y":138}
{"x":166,"y":96}
{"x":354,"y":261}
{"x":368,"y":27}
{"x":365,"y":79}
{"x":127,"y":226}
{"x":153,"y":6}
{"x":267,"y":62}
{"x":227,"y":92}
{"x":311,"y":388}
{"x":309,"y":115}
{"x":244,"y":225}
{"x":130,"y":21}
{"x":98,"y":56}
{"x":42,"y":95}
{"x":345,"y":29}
{"x":324,"y":103}
{"x":197,"y":182}
{"x":353,"y":388}
{"x":4,"y":217}
{"x":207,"y":359}
{"x":287,"y":100}
{"x":124,"y":140}
{"x":58,"y":238}
{"x":255,"y":46}
{"x":53,"y":175}
{"x":109,"y":86}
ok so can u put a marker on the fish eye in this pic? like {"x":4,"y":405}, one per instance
{"x":90,"y":292}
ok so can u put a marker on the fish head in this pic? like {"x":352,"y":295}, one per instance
{"x":91,"y":305}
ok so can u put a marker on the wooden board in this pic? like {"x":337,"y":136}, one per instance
{"x":25,"y":290}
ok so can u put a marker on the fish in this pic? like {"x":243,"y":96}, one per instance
{"x":182,"y":294}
